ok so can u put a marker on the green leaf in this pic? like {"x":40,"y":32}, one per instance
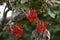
{"x":51,"y":13}
{"x":23,"y":1}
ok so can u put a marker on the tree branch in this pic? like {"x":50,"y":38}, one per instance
{"x":3,"y":22}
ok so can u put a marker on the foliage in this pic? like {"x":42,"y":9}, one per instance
{"x":48,"y":12}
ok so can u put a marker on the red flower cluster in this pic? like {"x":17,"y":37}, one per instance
{"x":17,"y":31}
{"x":41,"y":27}
{"x":32,"y":16}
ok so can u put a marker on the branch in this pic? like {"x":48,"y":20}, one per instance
{"x":3,"y":22}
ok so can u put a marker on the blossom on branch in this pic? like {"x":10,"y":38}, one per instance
{"x":41,"y":26}
{"x":32,"y":16}
{"x":17,"y":31}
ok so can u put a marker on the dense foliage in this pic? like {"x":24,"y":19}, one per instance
{"x":47,"y":11}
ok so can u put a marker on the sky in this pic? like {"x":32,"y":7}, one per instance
{"x":1,"y":11}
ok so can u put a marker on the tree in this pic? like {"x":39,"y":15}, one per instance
{"x":46,"y":11}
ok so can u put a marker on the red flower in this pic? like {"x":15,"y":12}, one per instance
{"x":41,"y":27}
{"x":32,"y":15}
{"x":17,"y":31}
